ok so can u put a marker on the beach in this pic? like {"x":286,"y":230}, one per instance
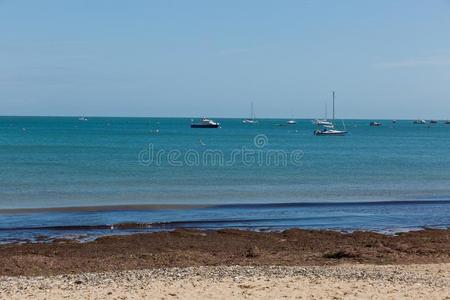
{"x":227,"y":264}
{"x":86,"y":210}
{"x":430,"y":281}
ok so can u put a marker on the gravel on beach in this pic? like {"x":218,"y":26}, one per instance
{"x":431,"y":281}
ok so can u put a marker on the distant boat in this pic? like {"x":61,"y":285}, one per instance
{"x":394,"y":121}
{"x":82,"y":119}
{"x":251,"y":120}
{"x":433,"y":122}
{"x":420,"y":121}
{"x":329,"y":129}
{"x":205,"y":123}
{"x":291,"y":122}
{"x":447,"y":122}
{"x":375,"y":124}
{"x":324,"y":121}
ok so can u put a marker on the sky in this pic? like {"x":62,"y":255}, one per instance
{"x":385,"y":58}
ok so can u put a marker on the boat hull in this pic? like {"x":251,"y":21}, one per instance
{"x":330,"y":133}
{"x":249,"y":121}
{"x":205,"y":125}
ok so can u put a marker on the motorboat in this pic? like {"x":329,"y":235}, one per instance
{"x":205,"y":123}
{"x":328,"y":131}
{"x":420,"y":122}
{"x":375,"y":124}
{"x":291,"y":122}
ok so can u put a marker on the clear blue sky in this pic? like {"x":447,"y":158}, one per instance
{"x":384,"y":58}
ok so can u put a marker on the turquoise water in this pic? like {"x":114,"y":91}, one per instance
{"x":60,"y":162}
{"x":48,"y":162}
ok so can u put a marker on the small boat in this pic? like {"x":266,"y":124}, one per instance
{"x":205,"y":123}
{"x":322,"y":122}
{"x":82,"y":119}
{"x":251,"y":120}
{"x":433,"y":122}
{"x":375,"y":124}
{"x":291,"y":122}
{"x":329,"y":127}
{"x":394,"y":121}
{"x":420,"y":122}
{"x":328,"y":131}
{"x":447,"y":122}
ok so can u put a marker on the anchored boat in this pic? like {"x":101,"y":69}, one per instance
{"x":329,"y":129}
{"x":251,"y":120}
{"x":205,"y":123}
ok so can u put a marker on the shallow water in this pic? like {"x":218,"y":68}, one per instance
{"x":65,"y":162}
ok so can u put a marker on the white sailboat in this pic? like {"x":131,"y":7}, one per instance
{"x":251,"y":120}
{"x":323,"y":122}
{"x":329,"y":129}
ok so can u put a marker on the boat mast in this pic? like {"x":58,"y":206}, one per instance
{"x":252,"y":113}
{"x":333,"y":106}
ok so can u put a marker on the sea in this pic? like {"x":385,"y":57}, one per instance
{"x":81,"y":178}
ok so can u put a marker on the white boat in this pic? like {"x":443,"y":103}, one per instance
{"x":291,"y":122}
{"x":205,"y":123}
{"x":327,"y":131}
{"x":82,"y":119}
{"x":251,"y":120}
{"x":322,"y":122}
{"x":420,"y":121}
{"x":329,"y":128}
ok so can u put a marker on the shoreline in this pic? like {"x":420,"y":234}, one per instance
{"x":194,"y":248}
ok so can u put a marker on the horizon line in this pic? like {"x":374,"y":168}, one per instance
{"x":212,"y":117}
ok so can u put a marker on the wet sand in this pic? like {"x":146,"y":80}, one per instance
{"x":191,"y":248}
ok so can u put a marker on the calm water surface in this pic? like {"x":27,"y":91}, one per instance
{"x":65,"y":162}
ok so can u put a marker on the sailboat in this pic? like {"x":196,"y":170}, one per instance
{"x":323,"y":122}
{"x":251,"y":120}
{"x":329,"y":129}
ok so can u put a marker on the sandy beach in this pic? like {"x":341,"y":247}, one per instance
{"x":431,"y":281}
{"x":232,"y":264}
